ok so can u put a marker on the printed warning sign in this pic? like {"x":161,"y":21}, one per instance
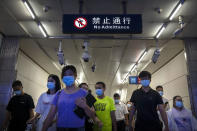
{"x":102,"y":24}
{"x":80,"y":23}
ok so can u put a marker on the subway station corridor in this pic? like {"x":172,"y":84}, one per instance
{"x":108,"y":41}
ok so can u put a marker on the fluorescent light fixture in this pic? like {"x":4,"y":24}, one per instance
{"x":175,"y":11}
{"x":160,"y":31}
{"x":185,"y":54}
{"x":145,"y":52}
{"x":29,"y":9}
{"x":42,"y":30}
{"x":56,"y":66}
{"x":133,"y":68}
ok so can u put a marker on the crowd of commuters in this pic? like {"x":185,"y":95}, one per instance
{"x":74,"y":108}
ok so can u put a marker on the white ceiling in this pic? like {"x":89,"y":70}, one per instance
{"x":114,"y":58}
{"x":13,"y":12}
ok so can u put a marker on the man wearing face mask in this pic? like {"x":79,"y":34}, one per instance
{"x":180,"y":118}
{"x":145,"y":101}
{"x":159,"y":89}
{"x":121,"y":113}
{"x":105,"y":109}
{"x":19,"y":109}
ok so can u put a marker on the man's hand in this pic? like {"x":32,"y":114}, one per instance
{"x":81,"y":102}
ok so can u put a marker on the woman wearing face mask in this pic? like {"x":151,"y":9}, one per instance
{"x":65,"y":103}
{"x":44,"y":102}
{"x":180,"y":118}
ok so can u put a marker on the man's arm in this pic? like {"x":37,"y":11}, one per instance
{"x":163,"y":116}
{"x":31,"y":115}
{"x":113,"y":117}
{"x":7,"y":118}
{"x":132,"y":113}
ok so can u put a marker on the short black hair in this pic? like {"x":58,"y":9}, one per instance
{"x":89,"y":91}
{"x":102,"y":83}
{"x":80,"y":86}
{"x":145,"y":74}
{"x":159,"y":87}
{"x":69,"y":67}
{"x":116,"y":95}
{"x":57,"y":82}
{"x":17,"y":83}
{"x":174,"y":98}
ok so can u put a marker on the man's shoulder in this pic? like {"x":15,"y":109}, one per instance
{"x":137,"y":91}
{"x":108,"y":98}
{"x":154,"y":92}
{"x":27,"y":96}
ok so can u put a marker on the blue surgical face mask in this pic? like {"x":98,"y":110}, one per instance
{"x":116,"y":101}
{"x":161,"y":93}
{"x":145,"y":83}
{"x":179,"y":104}
{"x":128,"y":105}
{"x":68,"y":80}
{"x":51,"y":85}
{"x":99,"y":92}
{"x":18,"y":92}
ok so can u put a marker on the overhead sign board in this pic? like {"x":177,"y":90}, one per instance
{"x":134,"y":80}
{"x":105,"y":24}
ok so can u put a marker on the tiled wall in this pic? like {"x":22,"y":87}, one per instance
{"x":8,"y":58}
{"x":173,"y":77}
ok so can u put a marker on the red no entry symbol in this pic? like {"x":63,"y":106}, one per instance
{"x":80,"y":23}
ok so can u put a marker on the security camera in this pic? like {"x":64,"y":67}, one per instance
{"x":61,"y":58}
{"x":155,"y":56}
{"x":177,"y":31}
{"x":93,"y":67}
{"x":60,"y":55}
{"x":45,"y":8}
{"x":158,"y":10}
{"x":85,"y":45}
{"x":86,"y":56}
{"x":180,"y":28}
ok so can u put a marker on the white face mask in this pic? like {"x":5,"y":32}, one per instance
{"x":128,"y":105}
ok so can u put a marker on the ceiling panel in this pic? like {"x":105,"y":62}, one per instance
{"x":8,"y":25}
{"x":31,"y":48}
{"x":32,"y":28}
{"x":69,"y":6}
{"x":54,"y":9}
{"x":102,"y":7}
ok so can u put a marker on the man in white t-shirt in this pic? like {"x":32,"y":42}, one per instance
{"x":180,"y":118}
{"x":121,"y":113}
{"x":159,"y":89}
